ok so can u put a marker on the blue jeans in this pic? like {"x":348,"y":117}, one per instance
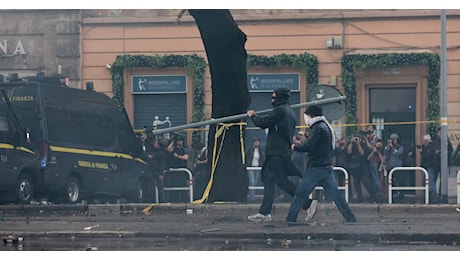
{"x":253,"y":181}
{"x":432,"y":177}
{"x":324,"y":177}
{"x":375,"y":178}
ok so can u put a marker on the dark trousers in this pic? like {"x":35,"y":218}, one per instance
{"x":275,"y":171}
{"x":360,"y":175}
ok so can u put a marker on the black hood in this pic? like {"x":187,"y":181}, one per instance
{"x":282,"y":96}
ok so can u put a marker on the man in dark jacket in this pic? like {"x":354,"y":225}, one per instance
{"x":319,"y":145}
{"x":450,"y":149}
{"x":429,"y":163}
{"x":278,"y":166}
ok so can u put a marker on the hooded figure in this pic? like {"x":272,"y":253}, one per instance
{"x":280,"y":122}
{"x":278,"y":165}
{"x":281,"y":96}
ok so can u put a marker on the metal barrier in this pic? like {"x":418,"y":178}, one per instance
{"x":391,"y":188}
{"x":345,"y":187}
{"x":189,"y":187}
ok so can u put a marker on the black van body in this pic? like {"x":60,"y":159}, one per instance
{"x":19,"y":164}
{"x":85,"y":144}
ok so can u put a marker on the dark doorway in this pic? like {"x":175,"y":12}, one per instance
{"x":392,"y":110}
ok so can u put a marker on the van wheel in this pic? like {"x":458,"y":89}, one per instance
{"x":73,"y":190}
{"x":24,"y":190}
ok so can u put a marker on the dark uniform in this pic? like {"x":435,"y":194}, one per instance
{"x":278,"y":165}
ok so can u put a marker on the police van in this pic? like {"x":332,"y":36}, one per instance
{"x":84,"y":144}
{"x":19,"y":164}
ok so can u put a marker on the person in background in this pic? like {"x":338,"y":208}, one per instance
{"x":408,"y":161}
{"x":278,"y":165}
{"x":298,"y":158}
{"x":357,"y":166}
{"x":158,"y":165}
{"x":178,"y":158}
{"x":437,"y":142}
{"x":428,"y":162}
{"x":371,"y":136}
{"x":394,"y":156}
{"x":146,"y":147}
{"x":373,"y":161}
{"x":319,"y":145}
{"x":376,"y":158}
{"x":201,"y":171}
{"x":455,"y":157}
{"x":179,"y":152}
{"x":341,"y":160}
{"x":255,"y":157}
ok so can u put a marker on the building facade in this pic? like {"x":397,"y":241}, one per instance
{"x":47,"y":41}
{"x":385,"y":61}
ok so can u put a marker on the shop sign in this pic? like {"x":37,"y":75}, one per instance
{"x":269,"y":82}
{"x":159,"y":84}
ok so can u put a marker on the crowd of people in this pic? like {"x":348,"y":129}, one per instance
{"x":162,"y":153}
{"x":296,"y":163}
{"x":365,"y":157}
{"x":368,"y":160}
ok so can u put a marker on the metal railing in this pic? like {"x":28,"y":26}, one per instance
{"x":341,"y":169}
{"x":189,"y":187}
{"x":254,"y":168}
{"x":391,"y":188}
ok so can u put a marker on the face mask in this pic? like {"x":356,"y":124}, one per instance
{"x":307,"y":119}
{"x":273,"y":100}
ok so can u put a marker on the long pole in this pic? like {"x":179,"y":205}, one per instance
{"x":241,"y":116}
{"x":444,"y":166}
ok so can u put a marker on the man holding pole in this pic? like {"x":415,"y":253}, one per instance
{"x":278,"y":165}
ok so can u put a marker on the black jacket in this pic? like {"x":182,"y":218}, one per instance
{"x":428,"y":155}
{"x":318,"y":145}
{"x":250,"y":155}
{"x":281,"y":125}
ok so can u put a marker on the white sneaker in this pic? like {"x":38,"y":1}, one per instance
{"x":458,"y":209}
{"x":260,"y":218}
{"x":311,"y":210}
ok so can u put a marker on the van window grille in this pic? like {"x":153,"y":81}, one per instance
{"x":79,"y":127}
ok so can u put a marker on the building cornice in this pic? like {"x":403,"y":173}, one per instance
{"x":276,"y":16}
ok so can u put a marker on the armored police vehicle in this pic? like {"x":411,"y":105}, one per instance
{"x":85,"y":145}
{"x":19,"y":164}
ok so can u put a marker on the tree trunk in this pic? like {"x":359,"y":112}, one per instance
{"x":224,"y":44}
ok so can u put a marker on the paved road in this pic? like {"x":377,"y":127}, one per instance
{"x":225,"y":227}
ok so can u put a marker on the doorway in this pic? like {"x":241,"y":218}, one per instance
{"x":393,"y":110}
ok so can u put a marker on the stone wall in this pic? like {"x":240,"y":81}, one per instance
{"x":46,"y":41}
